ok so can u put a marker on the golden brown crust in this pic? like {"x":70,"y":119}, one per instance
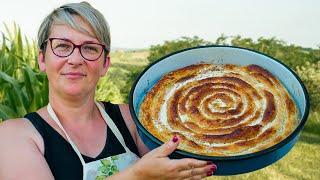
{"x":220,"y":110}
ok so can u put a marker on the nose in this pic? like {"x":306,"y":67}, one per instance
{"x":75,"y":57}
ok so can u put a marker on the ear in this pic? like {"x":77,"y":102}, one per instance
{"x":106,"y":65}
{"x":41,"y":61}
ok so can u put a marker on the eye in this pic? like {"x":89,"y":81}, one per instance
{"x":91,"y":48}
{"x":62,"y":46}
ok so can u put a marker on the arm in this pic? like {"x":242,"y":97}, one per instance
{"x":21,"y":152}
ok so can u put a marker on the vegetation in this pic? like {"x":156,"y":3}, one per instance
{"x":291,"y":55}
{"x":310,"y":75}
{"x":158,"y":51}
{"x":24,"y":89}
{"x":125,"y":67}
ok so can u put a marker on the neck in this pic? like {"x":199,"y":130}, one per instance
{"x":79,"y":110}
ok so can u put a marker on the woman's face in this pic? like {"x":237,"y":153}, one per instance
{"x":72,"y":75}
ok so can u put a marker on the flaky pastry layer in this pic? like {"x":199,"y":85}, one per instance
{"x":220,"y":110}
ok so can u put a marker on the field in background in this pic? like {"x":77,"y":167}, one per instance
{"x":300,"y":163}
{"x":125,"y":67}
{"x":134,"y":57}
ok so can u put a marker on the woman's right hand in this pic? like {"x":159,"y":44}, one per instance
{"x":157,"y":165}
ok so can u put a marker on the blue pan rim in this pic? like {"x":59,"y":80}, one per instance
{"x":222,"y":158}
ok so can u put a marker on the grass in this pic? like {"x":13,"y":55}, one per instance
{"x":300,"y":163}
{"x":137,"y":57}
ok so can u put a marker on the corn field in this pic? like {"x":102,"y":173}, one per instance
{"x":23,"y":88}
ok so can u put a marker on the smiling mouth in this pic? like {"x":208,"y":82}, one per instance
{"x":74,"y":75}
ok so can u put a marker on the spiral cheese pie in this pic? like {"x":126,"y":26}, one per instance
{"x":219,"y":110}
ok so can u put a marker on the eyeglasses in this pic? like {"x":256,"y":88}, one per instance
{"x":64,"y":47}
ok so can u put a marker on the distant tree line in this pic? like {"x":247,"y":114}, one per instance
{"x":304,"y":61}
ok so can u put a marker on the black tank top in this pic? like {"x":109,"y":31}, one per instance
{"x":63,"y":160}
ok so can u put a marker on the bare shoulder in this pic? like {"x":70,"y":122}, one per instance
{"x":17,"y":131}
{"x":125,"y":111}
{"x":12,"y":131}
{"x":14,"y":127}
{"x":21,"y":149}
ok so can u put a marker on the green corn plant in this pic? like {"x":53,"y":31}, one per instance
{"x":23,"y":88}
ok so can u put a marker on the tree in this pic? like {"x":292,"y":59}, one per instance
{"x":158,"y":51}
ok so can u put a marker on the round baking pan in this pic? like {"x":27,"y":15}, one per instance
{"x":227,"y":165}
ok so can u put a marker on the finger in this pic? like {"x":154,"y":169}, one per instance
{"x":208,"y":170}
{"x":167,"y":148}
{"x":188,"y":163}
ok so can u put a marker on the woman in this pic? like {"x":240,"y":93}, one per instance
{"x":74,"y":137}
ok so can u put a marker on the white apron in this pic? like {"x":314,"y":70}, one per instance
{"x":100,"y":169}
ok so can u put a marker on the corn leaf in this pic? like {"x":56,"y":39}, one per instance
{"x":16,"y":94}
{"x":6,"y":112}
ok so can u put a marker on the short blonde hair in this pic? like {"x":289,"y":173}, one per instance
{"x":65,"y":13}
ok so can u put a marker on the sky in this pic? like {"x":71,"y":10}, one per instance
{"x":142,"y":23}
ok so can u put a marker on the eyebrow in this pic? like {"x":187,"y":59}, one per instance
{"x":89,"y":41}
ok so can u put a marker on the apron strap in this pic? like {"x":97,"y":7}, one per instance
{"x":112,"y":126}
{"x":55,"y":118}
{"x":106,"y":118}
